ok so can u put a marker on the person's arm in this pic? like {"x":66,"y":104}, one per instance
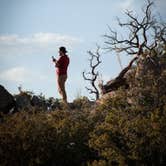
{"x":58,"y":62}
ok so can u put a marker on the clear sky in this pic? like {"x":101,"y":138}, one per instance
{"x":31,"y":31}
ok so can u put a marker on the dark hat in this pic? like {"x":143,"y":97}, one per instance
{"x":63,"y":49}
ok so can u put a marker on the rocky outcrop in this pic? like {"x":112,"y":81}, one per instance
{"x":27,"y":100}
{"x":7,"y":102}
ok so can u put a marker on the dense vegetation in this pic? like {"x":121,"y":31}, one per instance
{"x":124,"y":127}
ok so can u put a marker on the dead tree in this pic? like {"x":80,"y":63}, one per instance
{"x":92,"y":76}
{"x":119,"y":81}
{"x":146,"y":33}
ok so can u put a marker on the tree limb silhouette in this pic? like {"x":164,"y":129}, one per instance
{"x":139,"y":29}
{"x":92,"y":76}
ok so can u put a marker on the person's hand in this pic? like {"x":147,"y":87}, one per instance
{"x":53,"y":59}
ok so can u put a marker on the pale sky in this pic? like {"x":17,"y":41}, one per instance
{"x":31,"y":32}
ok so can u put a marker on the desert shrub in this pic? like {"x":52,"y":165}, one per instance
{"x":98,"y":163}
{"x":131,"y":136}
{"x":127,"y":128}
{"x":42,"y":138}
{"x":133,"y":131}
{"x":82,"y":103}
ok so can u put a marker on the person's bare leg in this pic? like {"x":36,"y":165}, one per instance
{"x":64,"y":95}
{"x":61,"y":87}
{"x":59,"y":82}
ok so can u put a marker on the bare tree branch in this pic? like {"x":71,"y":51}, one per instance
{"x":92,"y":76}
{"x":119,"y":81}
{"x":139,"y":32}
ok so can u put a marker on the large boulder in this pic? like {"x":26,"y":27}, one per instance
{"x":7,"y":102}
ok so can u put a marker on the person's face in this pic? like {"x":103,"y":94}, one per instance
{"x":60,"y":53}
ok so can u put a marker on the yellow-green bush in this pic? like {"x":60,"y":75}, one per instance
{"x":42,"y":138}
{"x":134,"y":130}
{"x":128,"y":128}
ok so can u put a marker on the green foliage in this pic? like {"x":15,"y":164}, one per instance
{"x":127,"y":128}
{"x":131,"y":135}
{"x":134,"y":130}
{"x":40,"y":138}
{"x":82,"y":103}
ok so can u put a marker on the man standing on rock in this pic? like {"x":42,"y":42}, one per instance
{"x":61,"y":70}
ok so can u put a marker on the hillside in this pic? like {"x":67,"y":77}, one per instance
{"x":125,"y":127}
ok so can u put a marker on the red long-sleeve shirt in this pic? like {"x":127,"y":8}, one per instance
{"x":62,"y":66}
